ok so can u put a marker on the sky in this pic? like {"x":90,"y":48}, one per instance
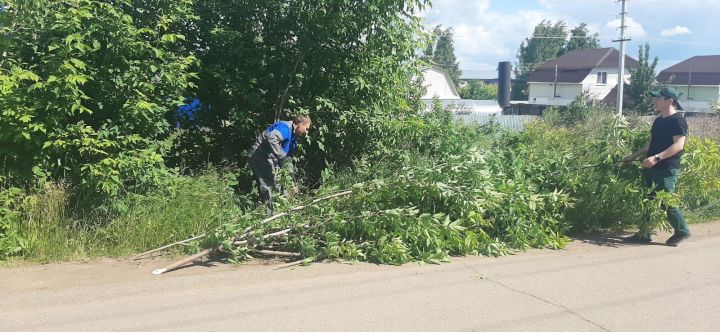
{"x":489,"y":31}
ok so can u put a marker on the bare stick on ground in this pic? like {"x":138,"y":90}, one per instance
{"x":184,"y":261}
{"x":282,"y":266}
{"x":266,"y":236}
{"x":276,"y":253}
{"x":138,"y":256}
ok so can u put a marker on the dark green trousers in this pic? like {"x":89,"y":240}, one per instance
{"x":666,"y":179}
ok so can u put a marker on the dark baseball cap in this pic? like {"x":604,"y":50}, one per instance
{"x":668,"y":92}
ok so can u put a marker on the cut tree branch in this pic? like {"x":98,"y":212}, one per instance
{"x":277,"y":253}
{"x":138,"y":256}
{"x":209,"y":251}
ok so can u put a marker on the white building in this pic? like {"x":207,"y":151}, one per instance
{"x":698,"y":79}
{"x":438,"y":85}
{"x":560,"y":81}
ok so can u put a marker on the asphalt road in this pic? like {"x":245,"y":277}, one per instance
{"x":596,"y":284}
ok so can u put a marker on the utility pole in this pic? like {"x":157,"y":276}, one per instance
{"x":621,"y":63}
{"x":555,"y":86}
{"x":689,"y":84}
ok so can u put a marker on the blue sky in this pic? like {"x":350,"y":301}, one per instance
{"x":489,"y":31}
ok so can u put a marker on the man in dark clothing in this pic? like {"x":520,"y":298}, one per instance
{"x":273,"y":149}
{"x":661,"y":167}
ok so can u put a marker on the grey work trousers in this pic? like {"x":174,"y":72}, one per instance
{"x":264,"y":171}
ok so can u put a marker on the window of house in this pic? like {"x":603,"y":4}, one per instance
{"x":602,"y":77}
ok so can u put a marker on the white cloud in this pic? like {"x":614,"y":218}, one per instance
{"x":633,"y":28}
{"x":550,"y":4}
{"x":484,"y":37}
{"x":677,"y":30}
{"x":488,"y":31}
{"x":482,"y":5}
{"x":686,"y":4}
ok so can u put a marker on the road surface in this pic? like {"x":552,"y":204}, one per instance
{"x":596,"y":284}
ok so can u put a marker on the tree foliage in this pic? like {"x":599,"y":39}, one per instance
{"x":548,"y":41}
{"x":86,"y":87}
{"x":441,"y":51}
{"x":89,"y":88}
{"x":4,"y":25}
{"x":346,"y":64}
{"x":479,"y":90}
{"x":580,"y":38}
{"x":582,"y":108}
{"x":642,"y":81}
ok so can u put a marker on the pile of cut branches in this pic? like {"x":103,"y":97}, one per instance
{"x":252,"y":239}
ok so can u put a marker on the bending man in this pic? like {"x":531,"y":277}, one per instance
{"x":272,"y":149}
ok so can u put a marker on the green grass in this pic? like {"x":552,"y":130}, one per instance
{"x":129,"y":225}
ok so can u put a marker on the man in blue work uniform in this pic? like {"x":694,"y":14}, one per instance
{"x":661,"y":167}
{"x":272,"y":149}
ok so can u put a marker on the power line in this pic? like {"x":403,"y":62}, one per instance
{"x":543,"y":37}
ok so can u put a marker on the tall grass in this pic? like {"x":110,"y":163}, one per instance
{"x":50,"y":234}
{"x":127,"y":225}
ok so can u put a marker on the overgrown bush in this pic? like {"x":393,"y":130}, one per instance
{"x":609,"y":194}
{"x":586,"y":162}
{"x":436,"y":188}
{"x":347,"y":64}
{"x":440,"y":193}
{"x":700,"y":181}
{"x":90,"y":162}
{"x":86,"y":87}
{"x":578,"y":111}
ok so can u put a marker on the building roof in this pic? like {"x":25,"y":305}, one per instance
{"x":576,"y":65}
{"x":445,"y":74}
{"x":698,"y":70}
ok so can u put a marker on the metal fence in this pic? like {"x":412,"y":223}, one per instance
{"x":514,"y":122}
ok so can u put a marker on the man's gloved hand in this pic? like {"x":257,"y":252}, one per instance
{"x":293,"y":190}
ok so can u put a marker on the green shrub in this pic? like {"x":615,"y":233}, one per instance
{"x":699,"y":184}
{"x":12,"y":241}
{"x":85,"y":90}
{"x":435,"y":194}
{"x":578,"y":111}
{"x":585,"y":161}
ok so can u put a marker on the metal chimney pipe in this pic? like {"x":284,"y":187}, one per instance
{"x":504,"y":73}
